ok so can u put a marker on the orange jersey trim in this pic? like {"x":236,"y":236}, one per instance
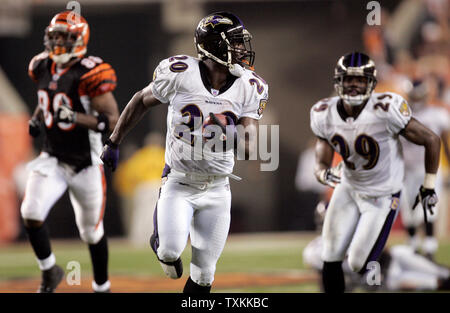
{"x":33,"y":64}
{"x":53,"y":70}
{"x":98,"y":81}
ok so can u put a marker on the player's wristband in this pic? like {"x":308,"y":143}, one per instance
{"x":111,"y":144}
{"x":102,"y":123}
{"x":429,"y":181}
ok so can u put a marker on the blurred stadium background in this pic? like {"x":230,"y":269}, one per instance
{"x":297,"y":44}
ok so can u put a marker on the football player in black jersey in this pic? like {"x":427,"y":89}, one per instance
{"x":75,"y":107}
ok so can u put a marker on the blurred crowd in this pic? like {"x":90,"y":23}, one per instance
{"x":424,"y":55}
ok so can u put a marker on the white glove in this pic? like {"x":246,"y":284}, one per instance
{"x":331,"y":176}
{"x":65,"y":114}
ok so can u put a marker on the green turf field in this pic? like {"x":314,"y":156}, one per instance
{"x":259,"y":253}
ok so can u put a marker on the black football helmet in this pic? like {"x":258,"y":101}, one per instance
{"x":355,"y":64}
{"x":222,"y":37}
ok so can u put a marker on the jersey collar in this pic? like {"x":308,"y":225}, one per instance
{"x":54,"y":72}
{"x":344,"y":115}
{"x":207,"y":83}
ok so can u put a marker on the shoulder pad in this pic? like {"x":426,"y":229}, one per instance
{"x":34,"y":64}
{"x":323,"y":104}
{"x":99,"y":79}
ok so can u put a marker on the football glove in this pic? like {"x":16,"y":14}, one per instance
{"x":65,"y":114}
{"x":227,"y":130}
{"x":428,"y":199}
{"x":331,"y":176}
{"x":110,"y":154}
{"x":34,"y":127}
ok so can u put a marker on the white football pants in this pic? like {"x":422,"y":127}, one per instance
{"x":48,"y":180}
{"x":199,"y":206}
{"x":357,"y":225}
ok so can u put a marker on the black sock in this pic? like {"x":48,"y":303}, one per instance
{"x":429,"y":229}
{"x":333,"y":277}
{"x":40,"y":241}
{"x":444,"y":284}
{"x":99,"y":258}
{"x":411,"y":231}
{"x":192,"y":287}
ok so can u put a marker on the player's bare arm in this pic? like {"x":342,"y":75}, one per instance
{"x":249,"y":141}
{"x":105,"y":105}
{"x":322,"y":168}
{"x":34,"y":128}
{"x":37,"y":114}
{"x":324,"y":156}
{"x":421,"y":135}
{"x":136,"y":108}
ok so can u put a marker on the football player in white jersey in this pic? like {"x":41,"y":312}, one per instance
{"x":195,"y":197}
{"x":438,"y":120}
{"x":364,"y":127}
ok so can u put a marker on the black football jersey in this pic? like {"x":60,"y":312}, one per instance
{"x":74,"y":86}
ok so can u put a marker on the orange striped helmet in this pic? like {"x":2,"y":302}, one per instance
{"x":66,"y":37}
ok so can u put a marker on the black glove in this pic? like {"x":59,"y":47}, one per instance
{"x":428,"y":198}
{"x":110,"y":154}
{"x":34,"y":127}
{"x":65,"y":114}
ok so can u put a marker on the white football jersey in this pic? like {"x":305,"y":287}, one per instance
{"x":368,"y":144}
{"x":181,"y":82}
{"x":436,"y":119}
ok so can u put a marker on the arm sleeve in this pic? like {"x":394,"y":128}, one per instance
{"x":315,"y":122}
{"x":399,"y":114}
{"x":99,"y":80}
{"x":163,"y":85}
{"x":259,"y":96}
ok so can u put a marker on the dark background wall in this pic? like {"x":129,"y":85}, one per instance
{"x":297,"y":44}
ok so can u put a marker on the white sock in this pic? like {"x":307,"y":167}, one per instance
{"x":101,"y":288}
{"x":430,"y":245}
{"x":47,"y":263}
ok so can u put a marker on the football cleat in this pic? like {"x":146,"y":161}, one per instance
{"x":173,"y":269}
{"x":51,"y":279}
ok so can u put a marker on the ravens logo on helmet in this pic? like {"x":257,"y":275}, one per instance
{"x":222,"y":37}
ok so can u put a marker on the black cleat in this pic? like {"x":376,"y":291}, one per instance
{"x":51,"y":279}
{"x":173,"y":269}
